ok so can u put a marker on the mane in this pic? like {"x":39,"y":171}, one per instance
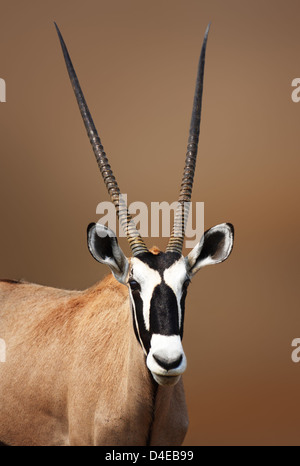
{"x":11,"y":281}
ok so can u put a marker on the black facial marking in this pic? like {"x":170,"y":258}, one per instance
{"x":144,"y":334}
{"x":166,"y":364}
{"x":134,"y":285}
{"x":161,"y":261}
{"x":164,"y":311}
{"x":182,"y":305}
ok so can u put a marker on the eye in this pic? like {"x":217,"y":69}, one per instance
{"x":134,"y":285}
{"x":186,"y":284}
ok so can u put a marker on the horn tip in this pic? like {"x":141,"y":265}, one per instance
{"x":58,"y":32}
{"x":206,"y":32}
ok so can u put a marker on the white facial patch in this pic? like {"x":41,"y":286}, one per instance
{"x":174,"y":277}
{"x":168,"y":348}
{"x":148,"y":279}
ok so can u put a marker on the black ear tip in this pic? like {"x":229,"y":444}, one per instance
{"x":231,"y":227}
{"x":90,"y":226}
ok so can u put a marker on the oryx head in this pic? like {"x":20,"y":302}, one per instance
{"x":157,"y":281}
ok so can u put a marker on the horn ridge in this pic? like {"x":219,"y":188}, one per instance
{"x":181,"y":214}
{"x":135,"y":240}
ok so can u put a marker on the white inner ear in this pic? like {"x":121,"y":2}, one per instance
{"x":192,"y":257}
{"x":118,"y":262}
{"x":148,"y":279}
{"x":221,"y":254}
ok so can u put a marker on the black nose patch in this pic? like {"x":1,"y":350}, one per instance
{"x":164,"y":318}
{"x":166,"y":364}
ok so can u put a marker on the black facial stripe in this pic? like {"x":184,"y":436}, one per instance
{"x":182,"y":306}
{"x":144,"y":334}
{"x":161,"y":261}
{"x":164,"y":311}
{"x":134,"y":324}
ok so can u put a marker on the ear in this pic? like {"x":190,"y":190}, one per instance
{"x":215,"y":246}
{"x":104,"y":247}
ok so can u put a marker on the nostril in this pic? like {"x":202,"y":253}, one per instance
{"x":167,"y":363}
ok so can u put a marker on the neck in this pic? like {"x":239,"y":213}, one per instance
{"x":126,"y":388}
{"x":139,"y":411}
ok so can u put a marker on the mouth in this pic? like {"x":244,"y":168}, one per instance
{"x":166,"y":379}
{"x":166,"y":359}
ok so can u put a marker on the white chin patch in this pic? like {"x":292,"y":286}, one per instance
{"x":166,"y":359}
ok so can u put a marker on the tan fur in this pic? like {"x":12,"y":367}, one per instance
{"x":75,"y":373}
{"x":155,"y":250}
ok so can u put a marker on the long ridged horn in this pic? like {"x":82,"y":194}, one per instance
{"x":135,"y":240}
{"x":181,"y":214}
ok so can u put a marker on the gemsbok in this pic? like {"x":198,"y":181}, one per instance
{"x":103,"y":366}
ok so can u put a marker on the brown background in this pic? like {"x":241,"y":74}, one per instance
{"x":137,"y":61}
